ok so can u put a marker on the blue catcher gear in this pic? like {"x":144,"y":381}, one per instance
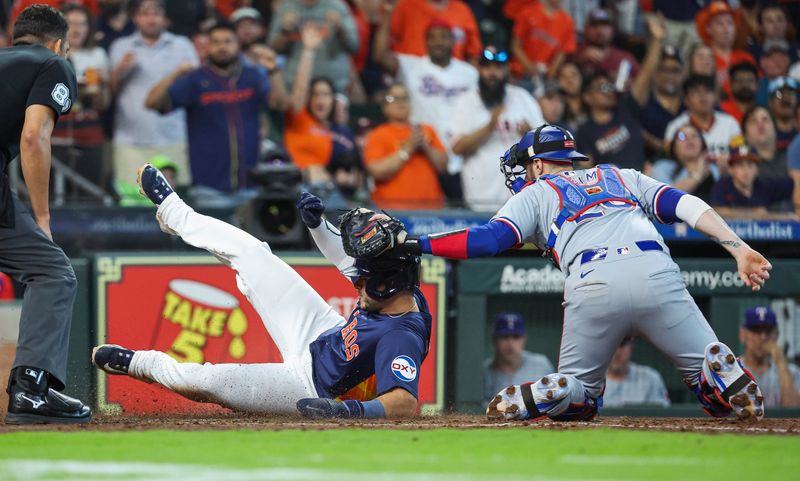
{"x":388,"y":274}
{"x":549,"y":143}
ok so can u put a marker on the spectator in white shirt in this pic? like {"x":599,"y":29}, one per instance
{"x":630,"y":384}
{"x":718,"y":128}
{"x":485,"y":122}
{"x":434,"y":82}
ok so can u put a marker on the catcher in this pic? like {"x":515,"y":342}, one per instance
{"x":371,"y":359}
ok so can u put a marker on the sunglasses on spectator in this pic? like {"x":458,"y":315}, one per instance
{"x":390,"y":99}
{"x":673,"y":71}
{"x":683,"y":136}
{"x":499,"y":57}
{"x":605,"y":87}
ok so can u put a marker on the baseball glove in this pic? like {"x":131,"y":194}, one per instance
{"x":366,"y":234}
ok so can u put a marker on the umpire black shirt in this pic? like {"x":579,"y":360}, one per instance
{"x":29,"y":75}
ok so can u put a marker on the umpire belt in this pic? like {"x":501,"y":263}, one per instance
{"x":601,"y":253}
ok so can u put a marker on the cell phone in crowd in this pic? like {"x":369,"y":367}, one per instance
{"x":622,"y":75}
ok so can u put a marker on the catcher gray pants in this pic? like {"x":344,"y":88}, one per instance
{"x":27,"y":255}
{"x":633,"y":293}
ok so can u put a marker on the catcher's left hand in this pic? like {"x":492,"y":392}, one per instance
{"x":366,"y":234}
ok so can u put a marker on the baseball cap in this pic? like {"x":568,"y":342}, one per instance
{"x":438,"y":23}
{"x":761,"y":317}
{"x":509,"y":324}
{"x":740,"y":151}
{"x":717,"y":7}
{"x":245,"y":13}
{"x":598,"y":16}
{"x":781,"y":83}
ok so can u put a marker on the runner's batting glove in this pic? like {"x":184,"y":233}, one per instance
{"x":311,"y":209}
{"x":323,"y":408}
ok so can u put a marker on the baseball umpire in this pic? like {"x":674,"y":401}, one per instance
{"x":38,"y":86}
{"x":597,"y":226}
{"x":325,"y":355}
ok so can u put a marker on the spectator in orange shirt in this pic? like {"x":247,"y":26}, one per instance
{"x":717,"y":27}
{"x":404,"y":159}
{"x":543,"y":35}
{"x":411,"y":18}
{"x":325,"y":152}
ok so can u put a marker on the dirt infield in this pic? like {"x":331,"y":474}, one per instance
{"x":238,"y":421}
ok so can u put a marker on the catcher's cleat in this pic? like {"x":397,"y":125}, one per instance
{"x":112,"y":359}
{"x":734,"y":387}
{"x":548,"y":396}
{"x":153,"y":184}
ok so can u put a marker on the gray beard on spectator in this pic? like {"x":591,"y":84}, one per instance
{"x":492,"y":96}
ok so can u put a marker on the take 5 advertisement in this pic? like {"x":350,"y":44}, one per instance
{"x":190,"y":308}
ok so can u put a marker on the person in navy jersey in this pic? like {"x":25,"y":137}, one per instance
{"x":223,"y":100}
{"x":365,"y":365}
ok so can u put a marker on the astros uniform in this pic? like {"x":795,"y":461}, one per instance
{"x":324,"y":354}
{"x":620,"y":278}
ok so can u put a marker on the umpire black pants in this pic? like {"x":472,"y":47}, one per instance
{"x":27,"y":255}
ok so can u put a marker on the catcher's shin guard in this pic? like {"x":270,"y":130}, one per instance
{"x":724,"y":385}
{"x":558,"y":396}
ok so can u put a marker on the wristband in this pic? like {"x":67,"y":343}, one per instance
{"x":404,"y":155}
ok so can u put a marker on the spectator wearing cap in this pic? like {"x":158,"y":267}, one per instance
{"x":434,"y":82}
{"x":139,"y":61}
{"x":679,"y":22}
{"x":745,"y":195}
{"x":612,"y":134}
{"x":699,"y":97}
{"x":249,"y":26}
{"x":543,"y":36}
{"x":759,"y":132}
{"x":492,"y":116}
{"x":774,"y":64}
{"x":764,"y":358}
{"x":511,"y":363}
{"x":632,"y":384}
{"x":664,"y":102}
{"x":783,"y":93}
{"x":222,"y":100}
{"x":404,"y":159}
{"x":716,"y":25}
{"x":410,"y":20}
{"x":689,"y":169}
{"x":774,"y":28}
{"x":744,"y":87}
{"x":597,"y":54}
{"x":340,"y":41}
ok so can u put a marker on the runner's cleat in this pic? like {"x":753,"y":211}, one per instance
{"x":733,"y":385}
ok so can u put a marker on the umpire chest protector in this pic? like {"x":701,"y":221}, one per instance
{"x":602,"y":185}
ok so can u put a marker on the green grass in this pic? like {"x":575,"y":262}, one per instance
{"x":361,"y":454}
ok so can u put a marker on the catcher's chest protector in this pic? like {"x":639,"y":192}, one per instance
{"x":601,"y":185}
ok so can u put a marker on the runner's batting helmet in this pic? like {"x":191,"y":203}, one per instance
{"x":388,"y":274}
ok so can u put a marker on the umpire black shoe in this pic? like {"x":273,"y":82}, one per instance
{"x":153,"y":184}
{"x":30,"y":401}
{"x":112,"y":359}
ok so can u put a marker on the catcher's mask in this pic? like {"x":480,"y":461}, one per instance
{"x":388,"y":274}
{"x":549,"y":143}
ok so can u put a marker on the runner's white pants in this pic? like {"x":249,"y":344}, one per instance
{"x":292,"y":312}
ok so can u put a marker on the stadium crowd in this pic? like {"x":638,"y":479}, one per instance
{"x":410,"y":103}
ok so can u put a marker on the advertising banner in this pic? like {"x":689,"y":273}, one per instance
{"x":189,"y":307}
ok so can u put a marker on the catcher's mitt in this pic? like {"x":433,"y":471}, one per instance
{"x":366,"y":234}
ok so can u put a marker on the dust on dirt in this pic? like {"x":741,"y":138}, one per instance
{"x":236,"y":421}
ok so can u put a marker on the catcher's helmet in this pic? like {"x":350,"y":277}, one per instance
{"x":388,"y":274}
{"x":547,"y":142}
